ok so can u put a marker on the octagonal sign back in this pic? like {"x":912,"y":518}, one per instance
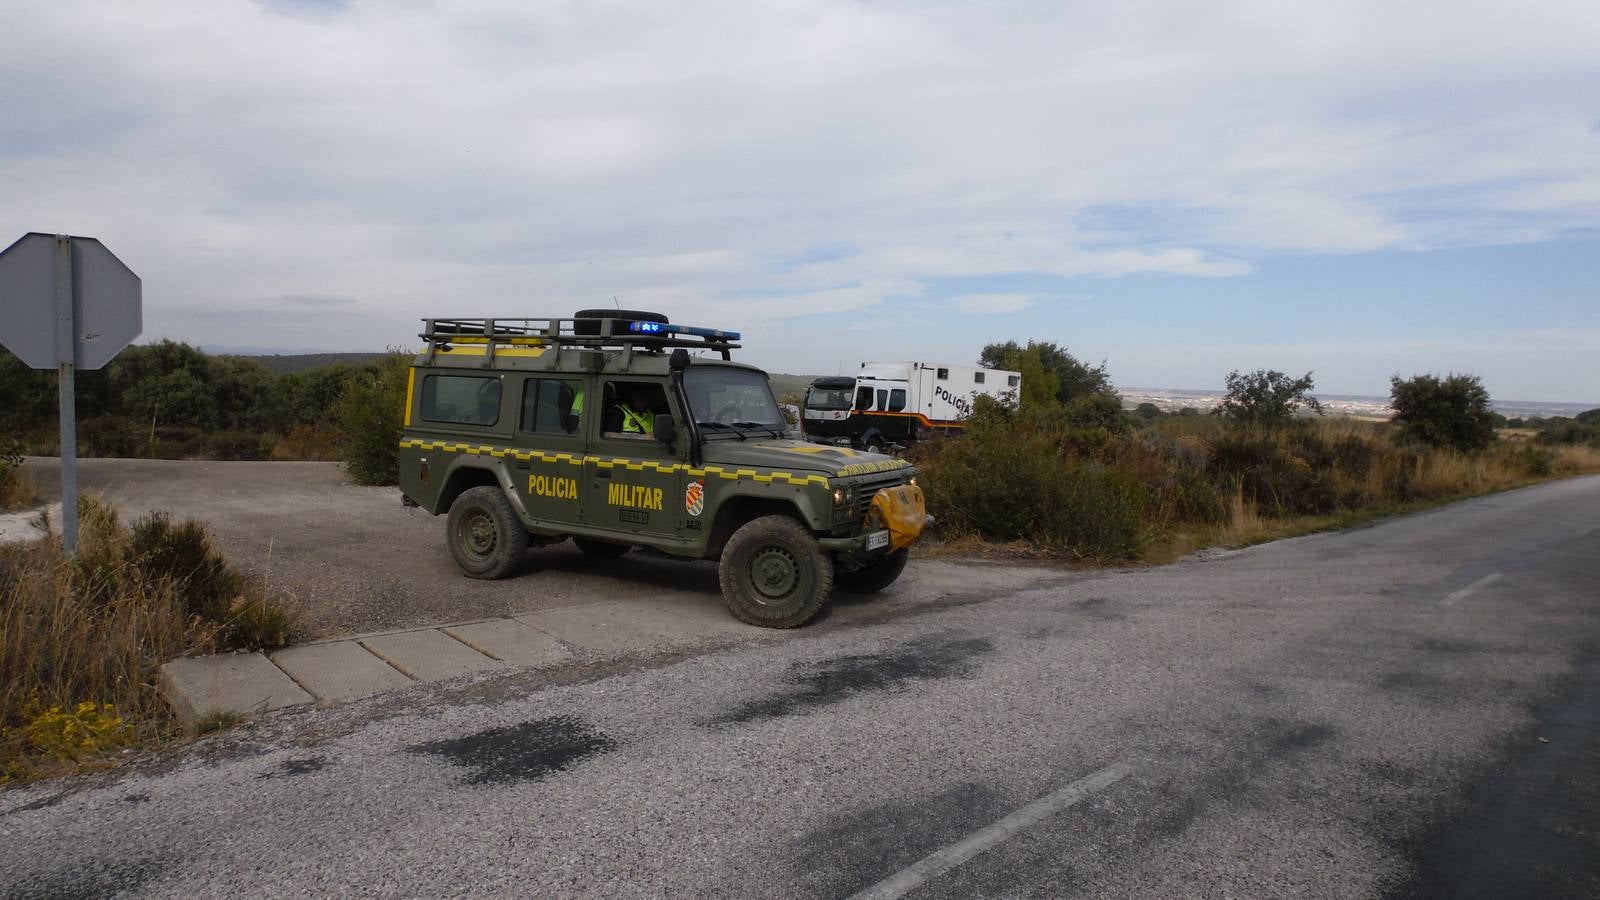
{"x":107,"y":302}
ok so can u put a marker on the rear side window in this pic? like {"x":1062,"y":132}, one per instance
{"x":977,"y":378}
{"x":1013,"y":380}
{"x":942,"y":374}
{"x":883,"y":399}
{"x":551,"y":405}
{"x":897,"y":400}
{"x":461,"y":399}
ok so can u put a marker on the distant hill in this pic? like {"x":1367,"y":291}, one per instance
{"x":286,"y":364}
{"x":789,"y":384}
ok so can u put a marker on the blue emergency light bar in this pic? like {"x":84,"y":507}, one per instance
{"x":664,"y":328}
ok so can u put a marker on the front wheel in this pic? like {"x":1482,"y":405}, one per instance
{"x":774,"y":575}
{"x":875,"y":576}
{"x":485,"y":536}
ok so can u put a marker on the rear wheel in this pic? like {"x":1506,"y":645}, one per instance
{"x":485,"y":536}
{"x":600,"y":549}
{"x":774,"y":575}
{"x":874,"y":577}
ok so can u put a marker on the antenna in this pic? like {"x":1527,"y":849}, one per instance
{"x":615,"y":303}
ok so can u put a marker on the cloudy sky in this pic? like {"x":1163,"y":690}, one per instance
{"x":1177,"y":188}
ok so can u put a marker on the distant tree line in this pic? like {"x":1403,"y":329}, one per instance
{"x":170,"y":400}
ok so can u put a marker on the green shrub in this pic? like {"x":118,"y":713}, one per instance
{"x":1451,"y":412}
{"x":205,"y":585}
{"x":1266,"y":398}
{"x":372,"y":411}
{"x":1008,"y":479}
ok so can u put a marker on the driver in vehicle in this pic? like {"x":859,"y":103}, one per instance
{"x":635,"y":417}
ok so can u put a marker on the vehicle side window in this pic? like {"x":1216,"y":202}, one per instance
{"x":883,"y":399}
{"x":461,"y":399}
{"x":1013,"y":380}
{"x":897,"y":400}
{"x":977,"y":378}
{"x":942,"y":374}
{"x":551,"y":405}
{"x":864,"y":398}
{"x":631,"y":407}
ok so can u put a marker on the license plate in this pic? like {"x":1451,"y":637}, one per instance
{"x":877,"y":539}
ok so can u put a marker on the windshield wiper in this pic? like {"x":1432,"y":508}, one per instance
{"x":741,"y":435}
{"x":773,"y":429}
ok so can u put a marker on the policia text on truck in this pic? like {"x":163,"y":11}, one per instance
{"x":604,"y":429}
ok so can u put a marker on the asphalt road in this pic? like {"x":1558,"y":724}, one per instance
{"x":1410,"y":709}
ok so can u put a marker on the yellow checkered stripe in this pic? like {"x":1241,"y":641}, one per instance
{"x":616,"y":463}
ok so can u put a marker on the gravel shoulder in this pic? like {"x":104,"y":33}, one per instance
{"x":352,"y":560}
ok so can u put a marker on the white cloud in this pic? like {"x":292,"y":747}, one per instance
{"x":501,"y":157}
{"x":993,"y":303}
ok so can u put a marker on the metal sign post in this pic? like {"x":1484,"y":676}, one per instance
{"x":67,"y":303}
{"x":67,"y":353}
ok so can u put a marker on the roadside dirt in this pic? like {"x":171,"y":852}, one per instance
{"x":352,"y":560}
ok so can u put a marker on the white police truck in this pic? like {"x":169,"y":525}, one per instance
{"x":887,"y":403}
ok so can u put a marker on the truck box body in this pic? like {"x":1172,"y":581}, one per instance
{"x":899,"y":402}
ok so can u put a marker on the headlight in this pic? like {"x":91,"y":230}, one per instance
{"x":838,"y":496}
{"x":913,"y":480}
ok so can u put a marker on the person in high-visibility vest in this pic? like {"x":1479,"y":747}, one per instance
{"x":633,"y":418}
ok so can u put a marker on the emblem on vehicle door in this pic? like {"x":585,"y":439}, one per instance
{"x":694,"y":498}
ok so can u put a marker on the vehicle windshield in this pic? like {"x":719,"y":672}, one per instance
{"x":828,"y":398}
{"x":741,"y":398}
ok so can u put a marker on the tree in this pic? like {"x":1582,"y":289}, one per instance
{"x":1148,"y":411}
{"x":372,"y":411}
{"x":1589,"y":417}
{"x":1038,"y":385}
{"x":1448,"y":412}
{"x":1073,"y":378}
{"x":1266,"y":398}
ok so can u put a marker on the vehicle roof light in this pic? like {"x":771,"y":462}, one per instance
{"x":665,"y":328}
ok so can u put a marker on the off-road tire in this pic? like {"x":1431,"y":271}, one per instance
{"x":601,"y":549}
{"x":873,"y":578}
{"x":774,"y":575}
{"x":873,"y":441}
{"x":485,"y":536}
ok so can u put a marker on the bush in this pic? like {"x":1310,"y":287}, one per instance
{"x":202,"y":581}
{"x":1451,"y":412}
{"x":372,"y":411}
{"x":80,"y":639}
{"x":310,"y":442}
{"x":1008,"y":479}
{"x":1266,"y":398}
{"x":16,"y":491}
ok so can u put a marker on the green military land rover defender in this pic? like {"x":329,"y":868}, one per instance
{"x":618,"y":429}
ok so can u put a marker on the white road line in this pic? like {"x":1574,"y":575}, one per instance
{"x":943,"y":860}
{"x":1470,"y":589}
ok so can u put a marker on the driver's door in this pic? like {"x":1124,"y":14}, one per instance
{"x":635,"y":484}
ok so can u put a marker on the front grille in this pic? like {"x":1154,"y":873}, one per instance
{"x":865,"y":492}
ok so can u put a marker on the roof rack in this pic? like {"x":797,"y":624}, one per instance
{"x":591,"y":333}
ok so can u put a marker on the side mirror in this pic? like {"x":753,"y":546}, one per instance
{"x":665,"y":430}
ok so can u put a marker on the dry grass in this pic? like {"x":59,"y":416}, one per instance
{"x":89,"y":633}
{"x":1191,"y":482}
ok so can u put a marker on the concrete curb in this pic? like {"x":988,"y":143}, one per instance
{"x":350,"y":668}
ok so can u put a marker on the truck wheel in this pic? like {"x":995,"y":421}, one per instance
{"x":873,"y":578}
{"x":773,"y":573}
{"x":601,"y":549}
{"x":873,"y":441}
{"x":484,"y":534}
